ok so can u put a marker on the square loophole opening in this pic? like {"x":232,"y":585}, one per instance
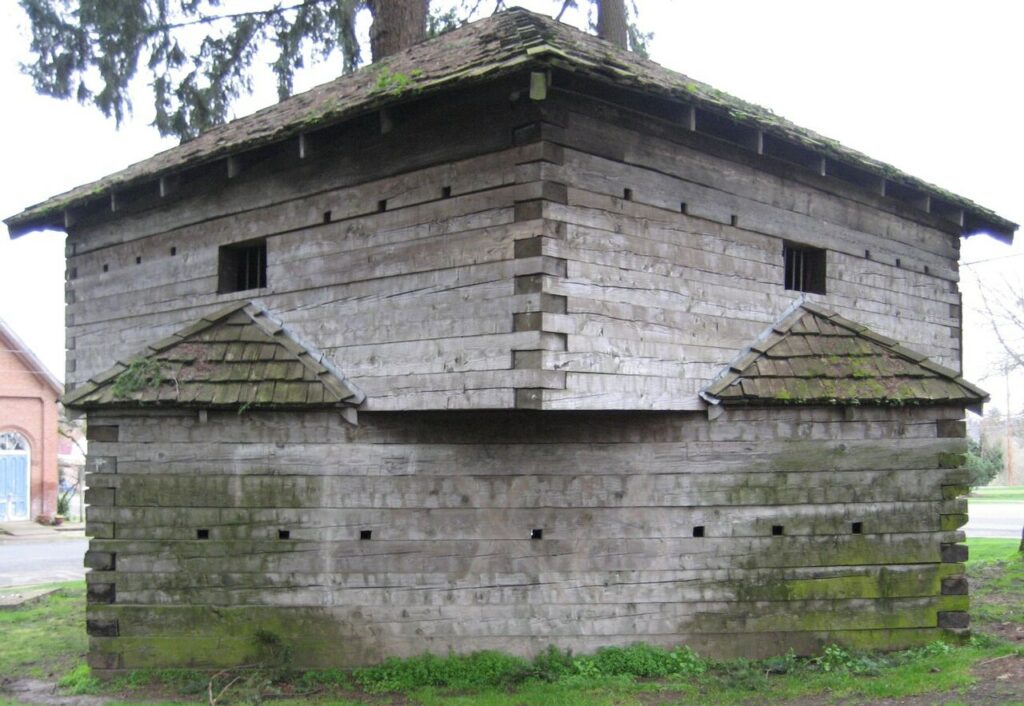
{"x":365,"y":534}
{"x":777,"y":530}
{"x":284,"y":534}
{"x":698,"y":531}
{"x":202,"y":534}
{"x":537,"y":534}
{"x":857,"y":528}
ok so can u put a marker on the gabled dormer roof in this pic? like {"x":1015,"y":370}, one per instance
{"x":237,"y":357}
{"x":814,"y":356}
{"x":505,"y":43}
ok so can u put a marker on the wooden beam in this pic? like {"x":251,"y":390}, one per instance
{"x":113,"y":200}
{"x":823,"y":166}
{"x":303,"y":147}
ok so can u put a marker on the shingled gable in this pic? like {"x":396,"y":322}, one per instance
{"x":517,"y":40}
{"x":813,"y":356}
{"x":239,"y":356}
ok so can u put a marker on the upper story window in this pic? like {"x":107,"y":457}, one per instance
{"x":805,"y":268}
{"x":242,"y":266}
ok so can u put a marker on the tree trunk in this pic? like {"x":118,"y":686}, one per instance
{"x":397,"y":25}
{"x":611,"y":22}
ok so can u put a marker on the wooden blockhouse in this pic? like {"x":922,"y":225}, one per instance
{"x":516,"y":339}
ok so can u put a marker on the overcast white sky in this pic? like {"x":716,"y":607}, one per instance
{"x":933,"y":87}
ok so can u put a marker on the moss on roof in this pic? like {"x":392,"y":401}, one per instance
{"x":813,"y":356}
{"x":238,"y":357}
{"x":508,"y":41}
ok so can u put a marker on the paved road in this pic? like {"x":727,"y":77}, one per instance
{"x":31,"y":561}
{"x":995,"y":520}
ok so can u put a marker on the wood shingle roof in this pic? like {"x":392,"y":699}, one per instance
{"x":813,"y":356}
{"x":512,"y":41}
{"x":238,"y":357}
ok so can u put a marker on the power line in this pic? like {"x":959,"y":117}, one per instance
{"x":993,"y":259}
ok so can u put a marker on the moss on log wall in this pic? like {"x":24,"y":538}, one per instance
{"x":747,"y":535}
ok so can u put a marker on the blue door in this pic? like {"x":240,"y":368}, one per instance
{"x":13,"y":486}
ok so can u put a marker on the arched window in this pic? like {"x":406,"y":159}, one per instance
{"x":12,"y":441}
{"x":14,"y":476}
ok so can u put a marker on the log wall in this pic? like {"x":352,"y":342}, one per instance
{"x":413,"y":532}
{"x":561,"y":254}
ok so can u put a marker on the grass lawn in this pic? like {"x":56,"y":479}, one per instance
{"x":48,"y":641}
{"x":996,"y":572}
{"x":998,"y":494}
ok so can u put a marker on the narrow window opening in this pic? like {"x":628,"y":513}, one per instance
{"x":627,"y":194}
{"x":899,"y":263}
{"x":74,"y":273}
{"x":202,"y":534}
{"x":242,"y":266}
{"x":537,"y":534}
{"x":683,"y":208}
{"x":804,"y":268}
{"x":382,"y":205}
{"x":446,"y":192}
{"x":698,"y":531}
{"x":857,"y":528}
{"x":138,"y":260}
{"x":734,"y":220}
{"x":327,"y":216}
{"x":284,"y":534}
{"x":867,"y":254}
{"x":776,"y":530}
{"x":365,"y":534}
{"x":106,"y":268}
{"x":926,"y":270}
{"x":174,"y":251}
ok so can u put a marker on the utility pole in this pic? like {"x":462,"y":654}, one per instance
{"x":1009,"y":436}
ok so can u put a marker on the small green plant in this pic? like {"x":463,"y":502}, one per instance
{"x":139,"y":375}
{"x":395,"y":82}
{"x":479,"y":670}
{"x":641,"y":660}
{"x":64,"y":500}
{"x":79,"y":681}
{"x":835,"y":659}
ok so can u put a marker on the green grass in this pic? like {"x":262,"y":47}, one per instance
{"x":998,"y":494}
{"x":45,"y":639}
{"x":984,"y":550}
{"x":996,"y":572}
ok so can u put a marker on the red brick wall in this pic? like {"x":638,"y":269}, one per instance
{"x":28,"y":405}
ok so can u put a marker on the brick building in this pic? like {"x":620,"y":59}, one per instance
{"x":28,"y":431}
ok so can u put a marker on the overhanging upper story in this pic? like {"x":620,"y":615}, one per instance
{"x":512,"y":215}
